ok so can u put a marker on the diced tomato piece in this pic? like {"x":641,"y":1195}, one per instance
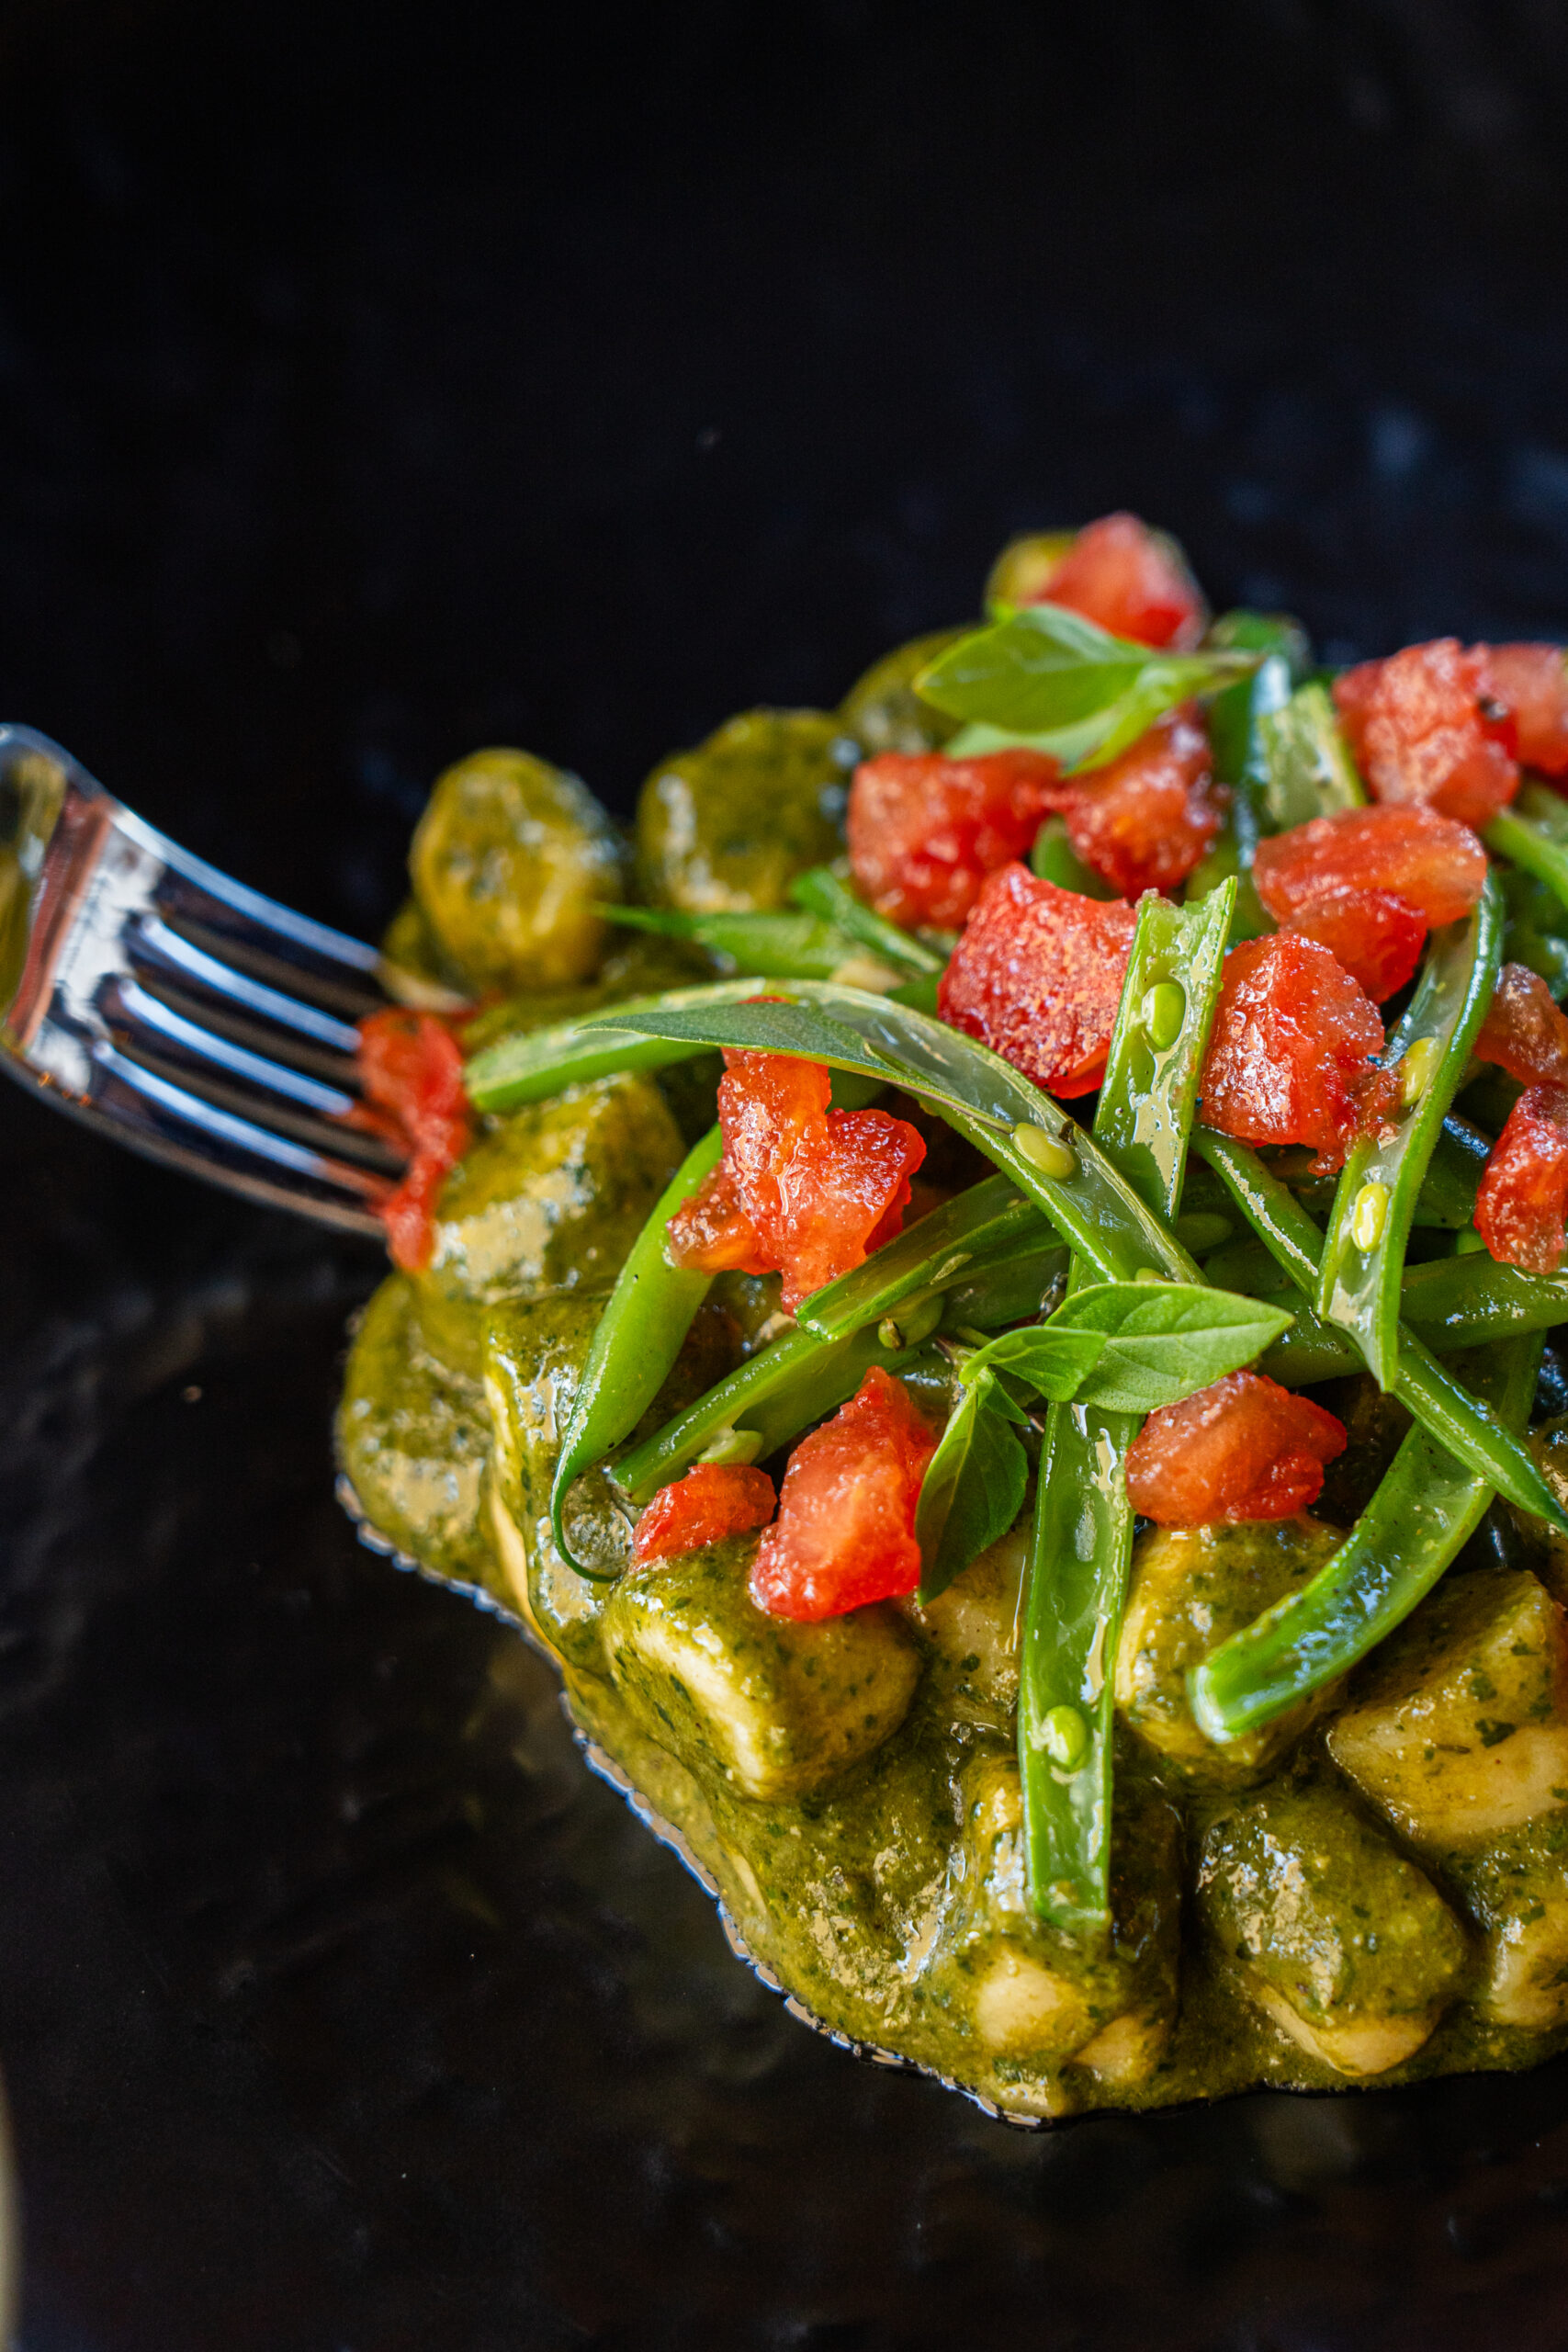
{"x":1037,"y":976}
{"x":412,"y":1073}
{"x":1376,"y":935}
{"x":1242,"y":1448}
{"x":1437,"y":866}
{"x":712,"y":1501}
{"x":766,"y":1104}
{"x":801,"y":1189}
{"x":1523,"y":1032}
{"x":1533,"y":681}
{"x":712,"y":1234}
{"x":845,"y":1533}
{"x":925,"y":832}
{"x":1144,"y":821}
{"x":1289,"y":1055}
{"x":1426,"y":726}
{"x":1119,"y":573}
{"x":1522,"y":1198}
{"x":844,"y":1193}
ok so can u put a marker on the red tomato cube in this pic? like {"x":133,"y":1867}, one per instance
{"x":1242,"y":1448}
{"x":1375,"y":934}
{"x":801,"y":1189}
{"x":1037,"y":976}
{"x":1144,"y":821}
{"x":1118,"y":573}
{"x":844,"y":1193}
{"x":845,"y":1533}
{"x":1437,"y":866}
{"x":1289,"y":1055}
{"x":1533,"y":681}
{"x":712,"y":1234}
{"x":925,"y":832}
{"x":1426,"y":726}
{"x":712,"y":1501}
{"x":1522,"y":1198}
{"x":1524,"y":1032}
{"x":412,"y":1070}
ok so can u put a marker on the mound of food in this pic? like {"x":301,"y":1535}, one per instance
{"x":1087,"y":1589}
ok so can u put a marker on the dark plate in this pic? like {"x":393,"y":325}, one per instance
{"x":365,"y":394}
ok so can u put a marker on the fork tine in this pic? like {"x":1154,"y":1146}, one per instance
{"x":306,"y":1020}
{"x":297,"y":931}
{"x":176,"y":1011}
{"x":137,"y":1006}
{"x":213,"y":1127}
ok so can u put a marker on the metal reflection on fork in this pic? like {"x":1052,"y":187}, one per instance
{"x":174,"y":1010}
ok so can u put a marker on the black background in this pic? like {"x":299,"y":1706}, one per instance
{"x":375,"y":383}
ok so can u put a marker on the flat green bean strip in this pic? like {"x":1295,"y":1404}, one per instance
{"x":1464,"y":1302}
{"x":822,"y":892}
{"x":1533,"y":833}
{"x":1307,"y":768}
{"x":1373,"y":1207}
{"x":1149,"y":1093}
{"x":1447,"y":1198}
{"x":1005,"y":1289}
{"x":637,"y":1339}
{"x":1448,"y":1303}
{"x":928,"y":1254}
{"x":1082,"y":1540}
{"x":1236,"y":718}
{"x":515,"y":1071}
{"x":1424,"y":1510}
{"x":992,"y":1106}
{"x":774,"y":945}
{"x":1442,"y":1404}
{"x":773,"y":1394}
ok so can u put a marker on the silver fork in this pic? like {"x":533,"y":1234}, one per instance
{"x":176,"y":1011}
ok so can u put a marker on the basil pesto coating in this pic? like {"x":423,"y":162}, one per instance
{"x":510,"y":864}
{"x":727,"y":827}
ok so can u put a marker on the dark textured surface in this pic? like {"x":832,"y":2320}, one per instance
{"x":369,"y":387}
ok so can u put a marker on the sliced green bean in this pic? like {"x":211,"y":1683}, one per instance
{"x":1374,"y":1205}
{"x":994,"y":1106}
{"x":1533,"y":834}
{"x":1443,"y":1405}
{"x":822,"y":892}
{"x":774,"y":945}
{"x":1447,"y":1198}
{"x":795,"y":1381}
{"x":1082,"y":1540}
{"x":1448,"y":1303}
{"x":526,"y":1069}
{"x":1005,"y":1289}
{"x":1236,"y":718}
{"x":930,"y":1254}
{"x":1424,"y":1510}
{"x":1307,"y":768}
{"x":1464,"y":1302}
{"x":1149,"y":1093}
{"x":638,"y":1337}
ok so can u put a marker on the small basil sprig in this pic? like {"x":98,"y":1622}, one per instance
{"x":973,"y":1485}
{"x":1048,"y":679}
{"x":1133,"y":1347}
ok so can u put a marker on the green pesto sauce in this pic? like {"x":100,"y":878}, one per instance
{"x":1299,"y":1910}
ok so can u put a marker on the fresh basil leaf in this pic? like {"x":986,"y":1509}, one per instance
{"x":1161,"y":1341}
{"x":1048,"y":680}
{"x":1055,"y":1360}
{"x":973,"y":1489}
